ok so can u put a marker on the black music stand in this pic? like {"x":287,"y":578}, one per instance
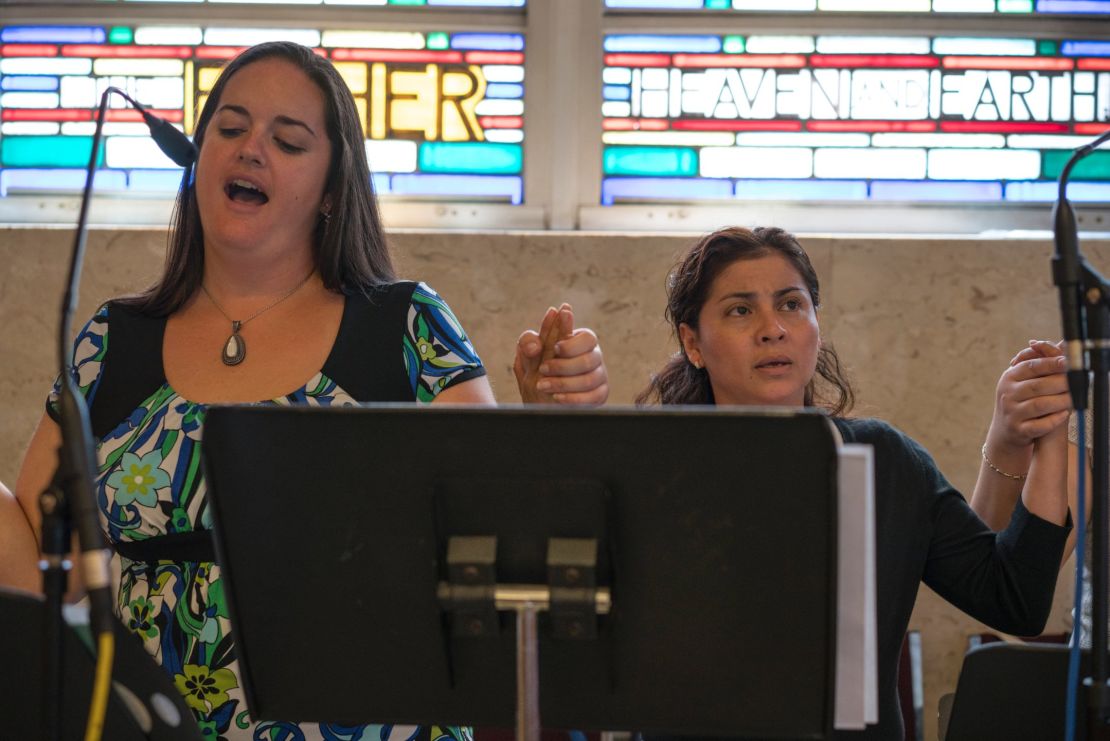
{"x":715,"y":534}
{"x":144,"y":704}
{"x":1014,"y":691}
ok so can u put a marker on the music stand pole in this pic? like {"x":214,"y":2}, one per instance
{"x":527,"y":674}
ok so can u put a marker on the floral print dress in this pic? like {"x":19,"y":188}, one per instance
{"x":149,"y":483}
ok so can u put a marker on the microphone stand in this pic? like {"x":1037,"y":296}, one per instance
{"x":70,"y":500}
{"x":1097,"y":297}
{"x":1087,"y":335}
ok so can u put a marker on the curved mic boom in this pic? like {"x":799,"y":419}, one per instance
{"x":1066,"y":268}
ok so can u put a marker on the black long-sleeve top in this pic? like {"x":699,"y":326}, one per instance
{"x":926,"y":532}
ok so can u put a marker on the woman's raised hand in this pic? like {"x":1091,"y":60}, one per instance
{"x":1031,"y":400}
{"x":560,"y":364}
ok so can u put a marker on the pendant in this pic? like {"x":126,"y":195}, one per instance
{"x":235,"y":349}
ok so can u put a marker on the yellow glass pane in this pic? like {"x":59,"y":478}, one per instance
{"x":207,"y":78}
{"x":412,"y":101}
{"x":354,"y":74}
{"x":360,"y":104}
{"x":461,"y":92}
{"x":377,"y":101}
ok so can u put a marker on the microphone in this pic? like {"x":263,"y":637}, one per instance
{"x":172,"y":142}
{"x":1067,"y":266}
{"x":1065,"y":275}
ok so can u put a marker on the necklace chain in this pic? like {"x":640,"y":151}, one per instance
{"x":235,"y":349}
{"x":240,"y":323}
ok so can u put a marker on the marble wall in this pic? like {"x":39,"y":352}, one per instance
{"x":925,"y":325}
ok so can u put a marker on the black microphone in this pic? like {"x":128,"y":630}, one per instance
{"x":1065,"y":275}
{"x":172,"y":142}
{"x":1067,"y":266}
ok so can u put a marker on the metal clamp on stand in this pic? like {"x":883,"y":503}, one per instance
{"x":473,"y":597}
{"x":572,"y":576}
{"x":469,"y":594}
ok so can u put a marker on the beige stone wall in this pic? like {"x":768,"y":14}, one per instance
{"x":925,"y":326}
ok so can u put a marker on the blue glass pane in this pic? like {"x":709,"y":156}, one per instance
{"x":28,"y":83}
{"x":640,"y":189}
{"x":668,"y":44}
{"x":1073,"y":6}
{"x":510,"y":188}
{"x":897,"y":190}
{"x":775,"y":190}
{"x":53,"y":34}
{"x":488,"y":41}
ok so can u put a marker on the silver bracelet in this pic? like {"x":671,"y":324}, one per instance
{"x":1000,"y":472}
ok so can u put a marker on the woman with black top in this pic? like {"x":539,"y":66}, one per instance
{"x":743,"y":305}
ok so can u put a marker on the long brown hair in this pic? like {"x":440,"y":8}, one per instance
{"x":688,"y":286}
{"x":349,"y":247}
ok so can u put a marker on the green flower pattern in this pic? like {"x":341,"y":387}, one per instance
{"x":203,"y":688}
{"x":140,"y":621}
{"x":150,"y":483}
{"x":138,"y":479}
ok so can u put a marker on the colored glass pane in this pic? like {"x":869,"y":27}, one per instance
{"x":651,"y":161}
{"x":885,"y":118}
{"x":1095,"y":166}
{"x":120,"y":35}
{"x":46,"y":151}
{"x":407,"y":3}
{"x":444,"y":111}
{"x":1077,"y":7}
{"x":477,"y":157}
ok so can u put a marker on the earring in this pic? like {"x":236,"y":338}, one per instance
{"x":696,"y":364}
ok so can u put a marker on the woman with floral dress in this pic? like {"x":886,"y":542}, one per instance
{"x":277,"y":288}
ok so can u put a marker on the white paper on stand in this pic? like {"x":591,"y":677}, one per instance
{"x":857,"y":681}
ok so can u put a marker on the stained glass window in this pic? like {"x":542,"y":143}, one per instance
{"x":1065,"y":7}
{"x":406,"y":3}
{"x":851,"y":118}
{"x":442,"y":112}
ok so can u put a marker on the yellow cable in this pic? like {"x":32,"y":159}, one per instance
{"x":106,"y":648}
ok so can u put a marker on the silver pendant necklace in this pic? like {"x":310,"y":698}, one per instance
{"x":235,"y":349}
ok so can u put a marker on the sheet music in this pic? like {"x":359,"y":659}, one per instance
{"x":857,"y":692}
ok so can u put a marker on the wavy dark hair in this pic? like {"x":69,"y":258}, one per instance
{"x":349,"y":248}
{"x":688,"y":286}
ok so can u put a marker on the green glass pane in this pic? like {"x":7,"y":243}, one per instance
{"x":657,"y":161}
{"x":1096,"y":166}
{"x":718,"y":4}
{"x":120,"y":35}
{"x":486,"y":158}
{"x":47,"y":151}
{"x":1047,"y":48}
{"x":438,"y":40}
{"x":733,"y":45}
{"x":1015,"y":6}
